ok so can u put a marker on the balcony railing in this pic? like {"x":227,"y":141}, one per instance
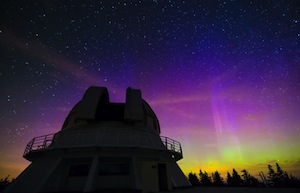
{"x":171,"y":144}
{"x":39,"y":143}
{"x":43,"y":142}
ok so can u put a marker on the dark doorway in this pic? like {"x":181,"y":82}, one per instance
{"x":162,"y":177}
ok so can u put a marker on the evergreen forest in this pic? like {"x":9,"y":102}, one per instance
{"x":274,"y":178}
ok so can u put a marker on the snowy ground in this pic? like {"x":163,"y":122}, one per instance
{"x":236,"y":190}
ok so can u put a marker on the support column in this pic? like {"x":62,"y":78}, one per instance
{"x":91,"y":179}
{"x":137,"y":182}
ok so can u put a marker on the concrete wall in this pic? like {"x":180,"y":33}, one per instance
{"x":36,"y":175}
{"x":52,"y":171}
{"x":75,"y":183}
{"x":113,"y":182}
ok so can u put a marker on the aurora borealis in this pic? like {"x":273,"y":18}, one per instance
{"x":222,"y":76}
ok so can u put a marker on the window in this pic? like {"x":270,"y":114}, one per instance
{"x":79,"y":169}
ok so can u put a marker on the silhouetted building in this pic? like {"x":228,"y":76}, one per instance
{"x":103,"y":146}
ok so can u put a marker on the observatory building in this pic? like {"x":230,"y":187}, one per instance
{"x":103,"y":147}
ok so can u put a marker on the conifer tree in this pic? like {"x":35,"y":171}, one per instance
{"x":271,"y":175}
{"x":193,"y":179}
{"x":280,"y":176}
{"x":249,"y":180}
{"x":236,"y":178}
{"x":246,"y":177}
{"x":217,"y":179}
{"x":205,"y":180}
{"x":229,"y":180}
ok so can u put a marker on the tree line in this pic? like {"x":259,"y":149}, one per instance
{"x":274,"y":178}
{"x":4,"y":182}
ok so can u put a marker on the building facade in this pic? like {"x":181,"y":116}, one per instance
{"x":104,"y":147}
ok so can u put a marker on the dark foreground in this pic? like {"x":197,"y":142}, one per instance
{"x":236,"y":190}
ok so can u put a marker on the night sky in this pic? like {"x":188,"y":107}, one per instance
{"x":222,"y":76}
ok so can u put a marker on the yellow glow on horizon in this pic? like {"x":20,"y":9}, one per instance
{"x":12,"y":169}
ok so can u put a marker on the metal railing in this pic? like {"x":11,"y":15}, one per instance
{"x":43,"y":142}
{"x":39,"y":143}
{"x":171,"y":144}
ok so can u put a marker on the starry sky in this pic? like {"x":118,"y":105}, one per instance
{"x":222,"y":76}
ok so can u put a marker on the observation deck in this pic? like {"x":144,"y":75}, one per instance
{"x":38,"y":145}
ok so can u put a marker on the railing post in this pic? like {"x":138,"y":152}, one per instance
{"x":44,"y":142}
{"x":180,"y":149}
{"x":173,"y":147}
{"x":166,"y":142}
{"x":31,"y":145}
